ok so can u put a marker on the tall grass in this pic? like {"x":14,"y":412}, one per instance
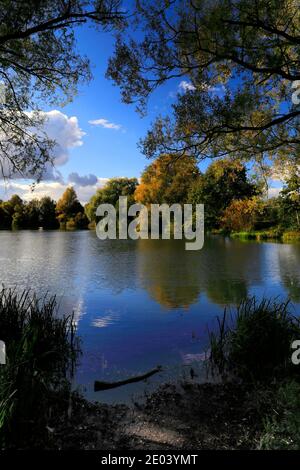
{"x":254,"y":343}
{"x":41,"y":352}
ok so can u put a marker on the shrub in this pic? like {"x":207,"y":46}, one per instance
{"x":240,"y":215}
{"x":255,"y":343}
{"x":244,"y":235}
{"x":291,"y":236}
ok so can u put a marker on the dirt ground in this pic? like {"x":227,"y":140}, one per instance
{"x":184,"y":416}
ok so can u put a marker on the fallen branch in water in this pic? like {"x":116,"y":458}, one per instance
{"x":98,"y":386}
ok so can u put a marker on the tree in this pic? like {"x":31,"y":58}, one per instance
{"x":241,"y":60}
{"x":32,"y":214}
{"x":39,"y":62}
{"x":47,"y":214}
{"x":223,"y":181}
{"x":167,"y":180}
{"x":5,"y":220}
{"x":110,"y":194}
{"x":289,"y":199}
{"x":68,"y":206}
{"x":7,"y":211}
{"x":241,"y":214}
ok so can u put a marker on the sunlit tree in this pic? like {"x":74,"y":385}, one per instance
{"x":110,"y":193}
{"x":167,"y":180}
{"x":223,"y":182}
{"x":239,"y":63}
{"x":68,"y":206}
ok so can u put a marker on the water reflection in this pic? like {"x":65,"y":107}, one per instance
{"x":175,"y":278}
{"x":120,"y":292}
{"x":289,"y":266}
{"x":169,"y":277}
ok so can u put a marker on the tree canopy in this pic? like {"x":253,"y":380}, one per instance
{"x":68,"y":206}
{"x":290,"y":201}
{"x":18,"y":214}
{"x":110,"y":193}
{"x":39,"y":64}
{"x":242,"y":60}
{"x":223,"y":182}
{"x":167,"y":180}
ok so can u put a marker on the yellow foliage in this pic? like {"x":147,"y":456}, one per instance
{"x":241,"y":214}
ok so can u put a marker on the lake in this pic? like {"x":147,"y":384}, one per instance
{"x":139,"y":304}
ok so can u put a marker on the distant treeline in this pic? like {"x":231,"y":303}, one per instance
{"x":66,"y":213}
{"x":234,"y":200}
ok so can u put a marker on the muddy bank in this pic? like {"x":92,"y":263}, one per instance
{"x":183,"y":416}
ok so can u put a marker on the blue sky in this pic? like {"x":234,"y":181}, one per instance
{"x":103,"y":151}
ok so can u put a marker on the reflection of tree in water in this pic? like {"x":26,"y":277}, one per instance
{"x":168,"y":272}
{"x":230,"y":268}
{"x":226,"y":291}
{"x":175,"y":277}
{"x":289,"y":266}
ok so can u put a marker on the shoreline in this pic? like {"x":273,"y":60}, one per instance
{"x":179,"y":416}
{"x":267,"y":236}
{"x":272,"y":235}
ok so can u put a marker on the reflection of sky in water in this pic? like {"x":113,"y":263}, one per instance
{"x":146,"y":303}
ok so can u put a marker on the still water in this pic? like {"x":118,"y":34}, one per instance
{"x":139,"y":304}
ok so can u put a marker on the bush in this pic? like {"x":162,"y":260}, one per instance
{"x":291,"y":236}
{"x":258,"y":346}
{"x":41,"y":353}
{"x":240,"y":215}
{"x":244,"y":235}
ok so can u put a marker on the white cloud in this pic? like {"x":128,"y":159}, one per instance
{"x":219,"y":90}
{"x":215,"y":90}
{"x":53,"y":189}
{"x":105,"y":123}
{"x":186,"y":86}
{"x":66,"y":133}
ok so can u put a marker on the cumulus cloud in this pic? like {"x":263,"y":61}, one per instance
{"x":65,"y":131}
{"x":105,"y":123}
{"x":86,"y":180}
{"x":66,"y":134}
{"x":186,"y":86}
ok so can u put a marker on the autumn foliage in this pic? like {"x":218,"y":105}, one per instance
{"x":241,"y":214}
{"x":167,"y":180}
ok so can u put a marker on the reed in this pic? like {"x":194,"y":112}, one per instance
{"x":254,"y":342}
{"x":42,"y":349}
